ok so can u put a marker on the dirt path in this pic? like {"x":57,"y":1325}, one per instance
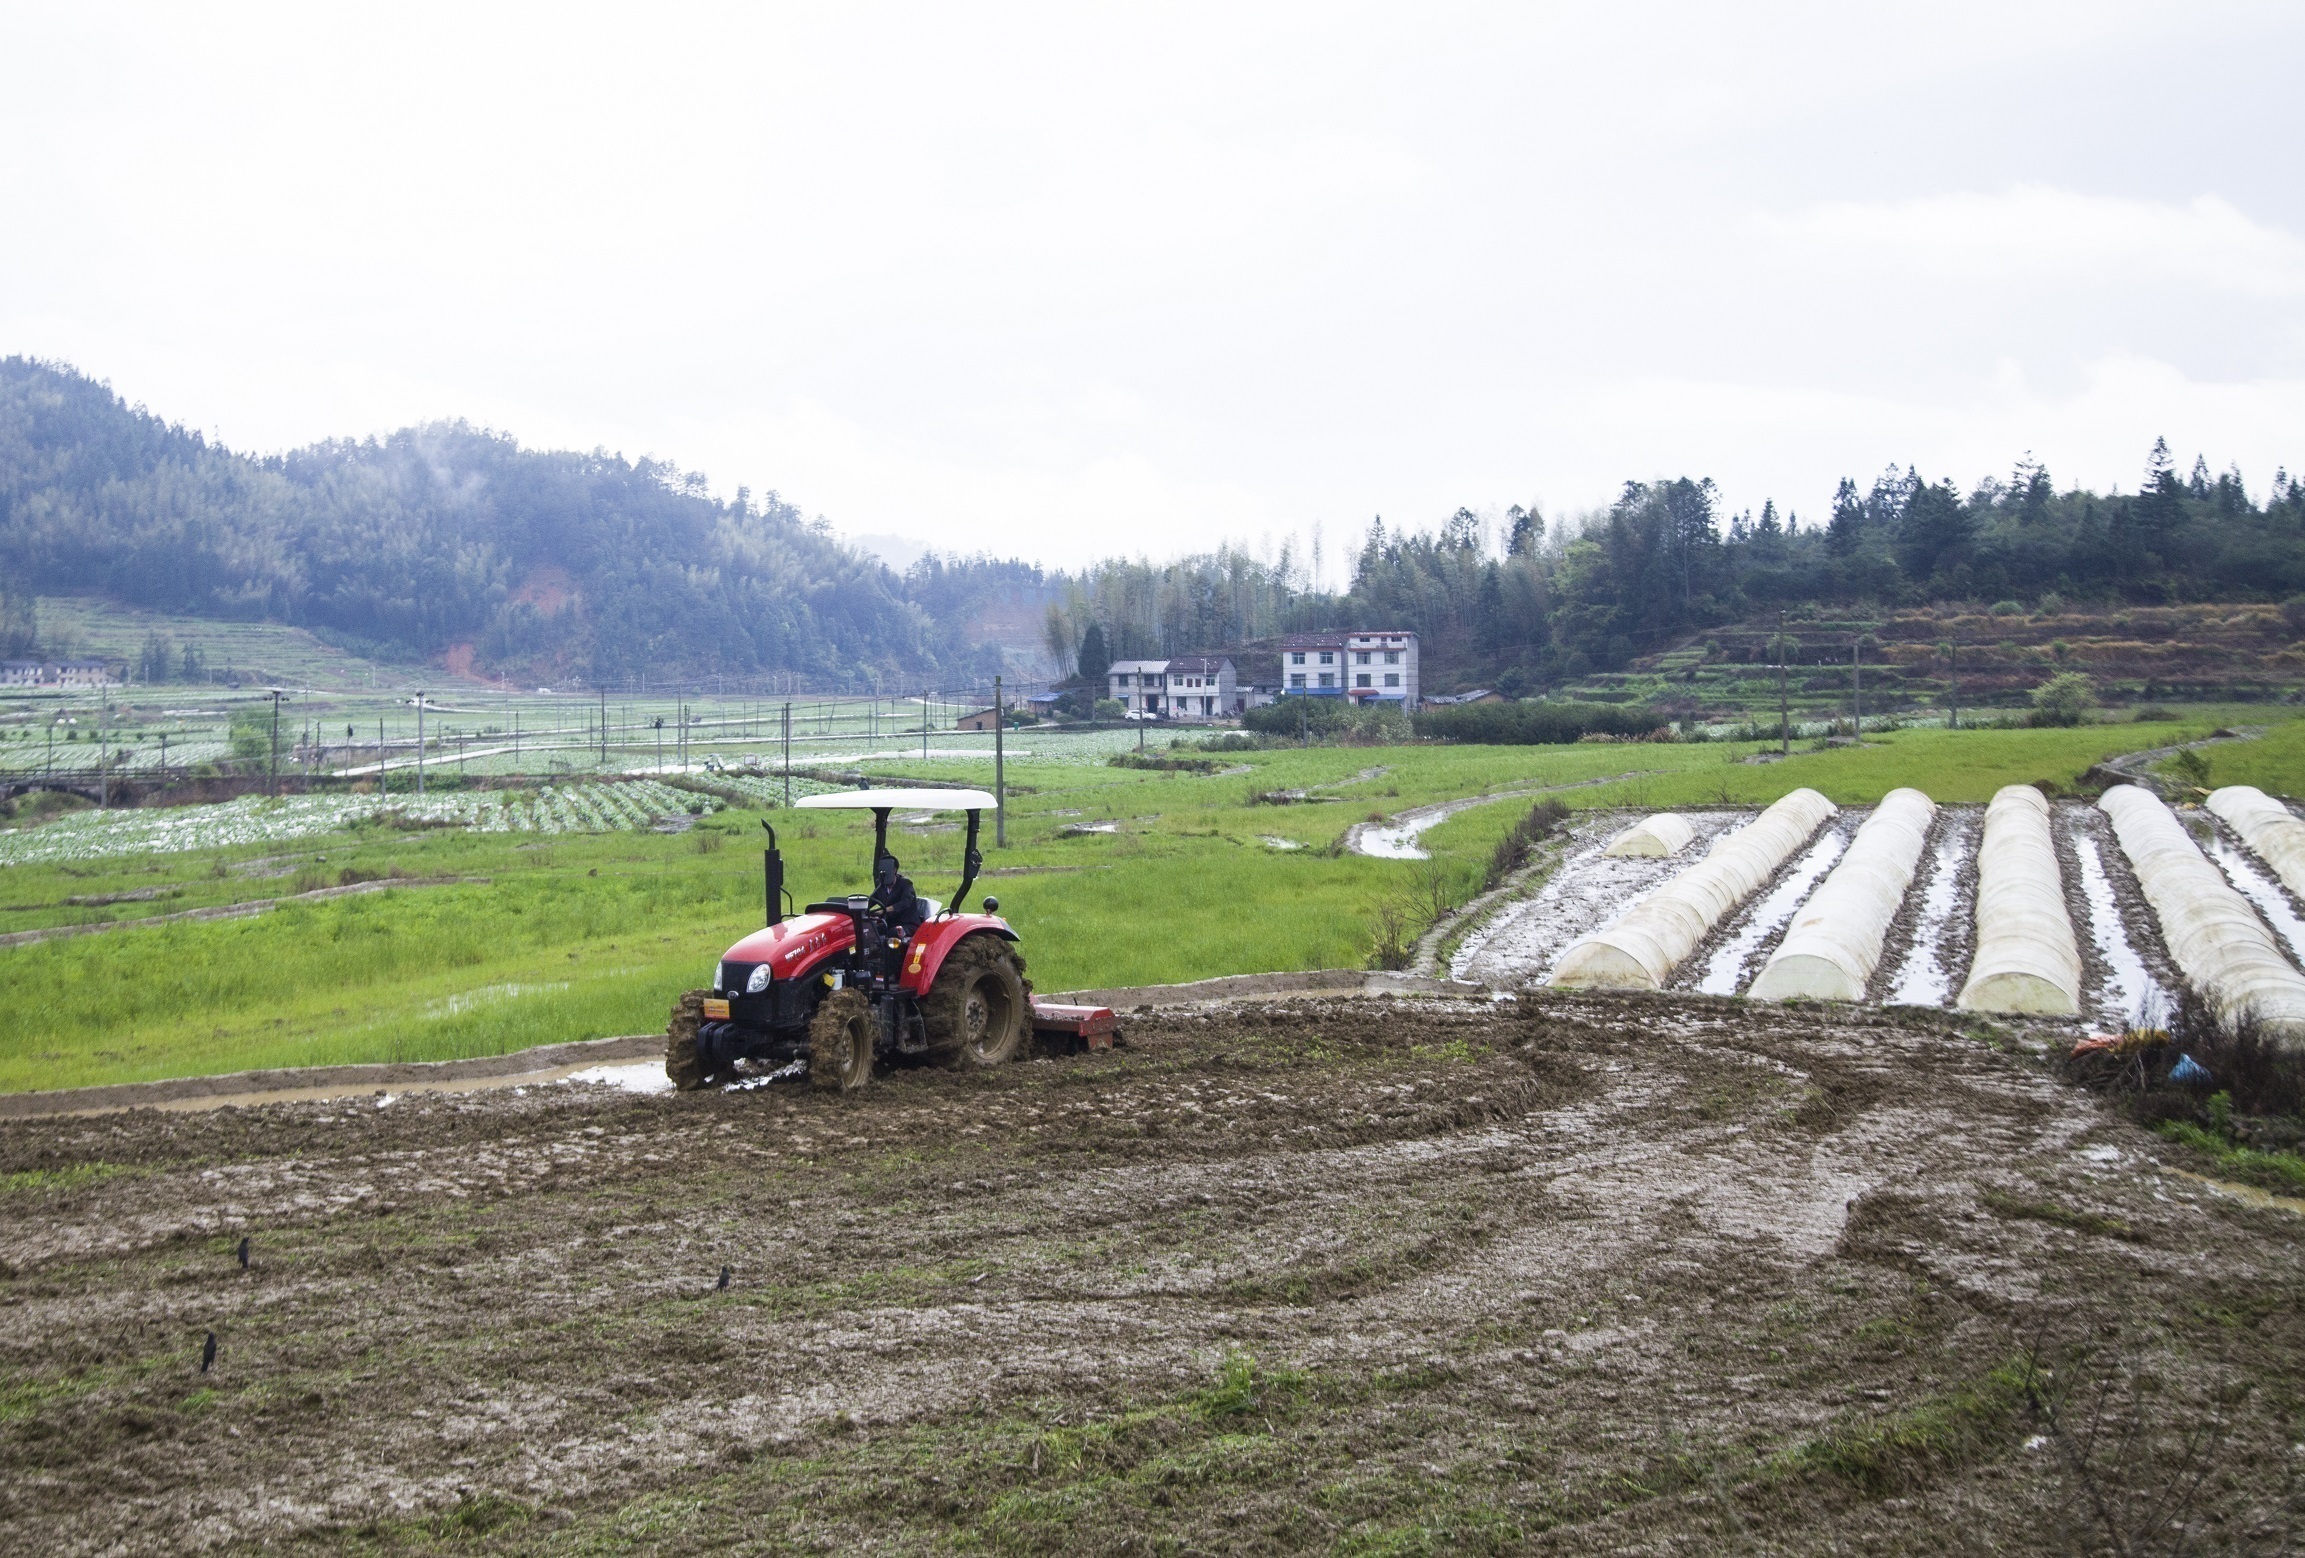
{"x":1569,"y":1274}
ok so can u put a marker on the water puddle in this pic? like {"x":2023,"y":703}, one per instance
{"x":2132,"y":998}
{"x":1397,"y":841}
{"x":2261,"y":890}
{"x":2248,"y":1195}
{"x":488,"y":995}
{"x":1922,"y":979}
{"x":1724,"y":970}
{"x":640,"y":1076}
{"x":1275,"y":841}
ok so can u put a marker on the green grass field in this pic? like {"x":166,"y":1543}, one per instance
{"x":579,"y":936}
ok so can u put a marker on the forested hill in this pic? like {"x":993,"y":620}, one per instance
{"x":1524,"y":605}
{"x":550,"y":563}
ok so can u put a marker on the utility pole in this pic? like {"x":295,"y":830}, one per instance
{"x":604,"y":724}
{"x":164,"y":759}
{"x":1857,"y":689}
{"x":999,"y":770}
{"x":1953,"y":682}
{"x":274,"y":786}
{"x":383,"y":777}
{"x":924,"y":724}
{"x":1784,"y":707}
{"x":104,"y":754}
{"x":788,"y":757}
{"x":420,"y":743}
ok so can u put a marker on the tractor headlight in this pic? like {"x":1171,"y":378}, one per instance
{"x":758,"y":982}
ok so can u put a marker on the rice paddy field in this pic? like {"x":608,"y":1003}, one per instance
{"x":561,"y":911}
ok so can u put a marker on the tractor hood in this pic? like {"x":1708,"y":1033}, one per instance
{"x":794,"y":943}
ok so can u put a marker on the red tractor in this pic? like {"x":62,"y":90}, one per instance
{"x":871,"y":978}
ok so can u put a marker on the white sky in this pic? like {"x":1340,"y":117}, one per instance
{"x":1072,"y":280}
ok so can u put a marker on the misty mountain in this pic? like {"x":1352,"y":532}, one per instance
{"x":449,"y":540}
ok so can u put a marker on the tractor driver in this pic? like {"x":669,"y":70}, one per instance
{"x":892,"y":890}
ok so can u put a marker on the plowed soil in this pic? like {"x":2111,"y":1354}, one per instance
{"x":1562,"y":1274}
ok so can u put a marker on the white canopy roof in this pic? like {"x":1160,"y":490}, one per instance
{"x":901,"y":800}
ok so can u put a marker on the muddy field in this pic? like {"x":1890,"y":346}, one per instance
{"x":1358,"y":1275}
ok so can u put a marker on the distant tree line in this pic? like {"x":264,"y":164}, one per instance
{"x":1538,"y":607}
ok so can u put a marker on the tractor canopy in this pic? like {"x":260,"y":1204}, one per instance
{"x":900,"y":800}
{"x":891,"y":890}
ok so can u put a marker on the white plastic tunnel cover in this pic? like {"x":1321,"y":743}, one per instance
{"x":2219,"y":943}
{"x":1641,"y":950}
{"x":2027,"y":960}
{"x":1666,"y":833}
{"x":2269,"y":828}
{"x":1836,"y":938}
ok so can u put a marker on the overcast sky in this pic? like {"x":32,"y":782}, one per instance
{"x":1067,"y":281}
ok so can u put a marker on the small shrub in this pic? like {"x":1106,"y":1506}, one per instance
{"x":1108,"y":708}
{"x":2191,"y":765}
{"x":1163,"y":762}
{"x":2153,"y":713}
{"x":2052,"y":604}
{"x":2007,"y":608}
{"x":2064,"y":699}
{"x":2293,"y":613}
{"x":1513,"y":850}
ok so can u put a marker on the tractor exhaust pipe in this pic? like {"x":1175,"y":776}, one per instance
{"x":772,"y":873}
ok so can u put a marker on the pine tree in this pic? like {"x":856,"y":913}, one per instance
{"x":1846,"y":528}
{"x":1095,"y":660}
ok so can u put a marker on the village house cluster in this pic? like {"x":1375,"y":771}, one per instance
{"x":58,"y":673}
{"x":1362,"y":667}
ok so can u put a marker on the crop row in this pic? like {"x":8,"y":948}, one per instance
{"x":576,"y":808}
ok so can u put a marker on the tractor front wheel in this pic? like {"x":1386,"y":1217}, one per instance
{"x":840,"y":1042}
{"x":681,"y":1062}
{"x":975,"y":1012}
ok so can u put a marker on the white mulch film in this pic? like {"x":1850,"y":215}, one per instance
{"x":167,"y":830}
{"x":2259,"y":929}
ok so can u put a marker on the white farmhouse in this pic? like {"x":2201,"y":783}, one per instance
{"x":1189,"y":687}
{"x":1365,"y":667}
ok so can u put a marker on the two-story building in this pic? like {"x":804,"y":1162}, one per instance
{"x":1139,"y":686}
{"x":1359,"y":666}
{"x":1188,"y":687}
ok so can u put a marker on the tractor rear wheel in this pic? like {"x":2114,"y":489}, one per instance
{"x":840,"y":1042}
{"x":681,"y":1061}
{"x":975,"y":1012}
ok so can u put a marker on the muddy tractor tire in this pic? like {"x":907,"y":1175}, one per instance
{"x":681,"y":1061}
{"x":840,"y":1042}
{"x":977,"y":1012}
